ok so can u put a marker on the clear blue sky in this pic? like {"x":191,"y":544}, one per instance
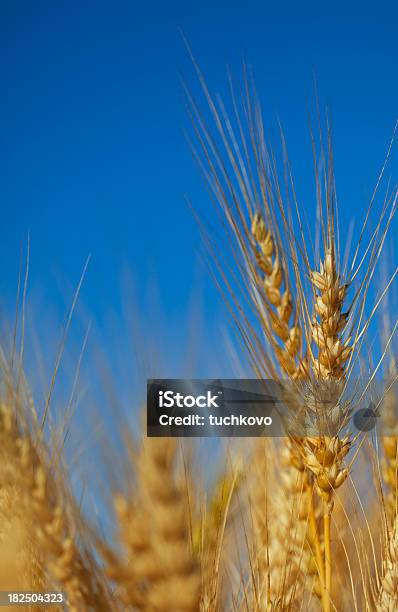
{"x":93,"y":157}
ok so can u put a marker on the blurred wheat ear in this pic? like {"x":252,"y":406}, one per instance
{"x":38,"y":509}
{"x":159,"y":571}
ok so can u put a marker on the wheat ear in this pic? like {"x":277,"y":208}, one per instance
{"x":279,"y":506}
{"x":20,"y":567}
{"x":330,"y":321}
{"x":279,"y":304}
{"x":159,"y":572}
{"x":324,"y":454}
{"x":26,"y":467}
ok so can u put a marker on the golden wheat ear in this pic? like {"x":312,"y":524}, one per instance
{"x":156,"y":569}
{"x":50,"y":523}
{"x":55,"y":553}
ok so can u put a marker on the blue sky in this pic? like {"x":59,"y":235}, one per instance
{"x":93,"y":155}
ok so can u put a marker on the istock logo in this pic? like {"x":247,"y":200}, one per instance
{"x":168,"y":399}
{"x":212,"y":407}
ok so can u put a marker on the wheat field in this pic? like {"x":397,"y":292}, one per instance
{"x":305,"y":522}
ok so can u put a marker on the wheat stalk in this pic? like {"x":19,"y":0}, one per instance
{"x":211,"y":535}
{"x":387,"y":600}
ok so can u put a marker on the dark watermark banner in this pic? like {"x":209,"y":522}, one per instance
{"x":253,"y":408}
